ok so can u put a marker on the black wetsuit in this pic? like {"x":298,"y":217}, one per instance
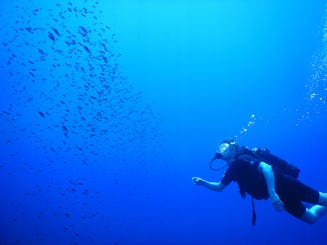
{"x":290,"y":190}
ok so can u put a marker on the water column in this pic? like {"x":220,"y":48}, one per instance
{"x":317,"y":85}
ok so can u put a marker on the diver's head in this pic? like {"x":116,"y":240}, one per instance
{"x":226,"y":150}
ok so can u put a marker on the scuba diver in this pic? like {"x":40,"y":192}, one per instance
{"x":266,"y":176}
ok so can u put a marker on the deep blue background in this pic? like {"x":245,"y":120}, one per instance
{"x":104,"y":123}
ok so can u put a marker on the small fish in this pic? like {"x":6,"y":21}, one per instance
{"x":55,"y":31}
{"x":64,"y":128}
{"x":35,"y":11}
{"x":104,"y":46}
{"x":51,"y":36}
{"x":61,"y":15}
{"x":105,"y":59}
{"x":41,"y":114}
{"x":5,"y":112}
{"x":29,"y":29}
{"x":83,"y":31}
{"x":87,"y":49}
{"x":41,"y":51}
{"x":72,"y":42}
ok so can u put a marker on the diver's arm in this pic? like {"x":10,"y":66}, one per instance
{"x":268,"y":173}
{"x":215,"y":186}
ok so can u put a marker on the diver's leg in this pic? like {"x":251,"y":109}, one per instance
{"x":322,"y":199}
{"x":313,"y":214}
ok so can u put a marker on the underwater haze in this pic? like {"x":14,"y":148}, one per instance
{"x":109,"y":108}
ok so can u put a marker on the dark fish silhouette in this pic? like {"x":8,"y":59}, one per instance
{"x":29,"y":29}
{"x":55,"y":31}
{"x":65,"y":130}
{"x":51,"y":36}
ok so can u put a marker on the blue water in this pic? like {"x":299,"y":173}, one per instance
{"x":108,"y":108}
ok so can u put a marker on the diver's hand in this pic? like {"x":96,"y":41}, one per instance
{"x":197,"y":180}
{"x":276,"y":202}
